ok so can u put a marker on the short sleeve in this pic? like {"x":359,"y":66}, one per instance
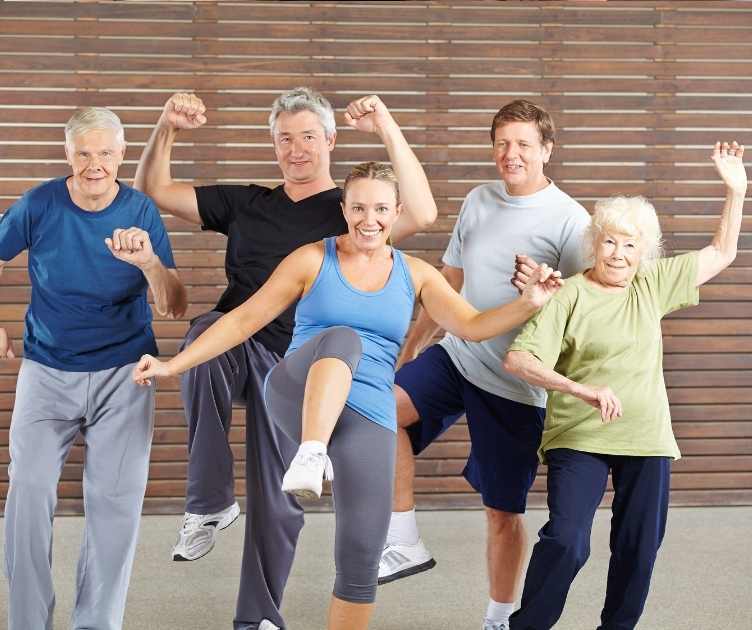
{"x":453,"y":254}
{"x":543,"y":335}
{"x":15,"y":229}
{"x":160,"y":242}
{"x":218,"y":205}
{"x":571,"y":259}
{"x":673,"y":282}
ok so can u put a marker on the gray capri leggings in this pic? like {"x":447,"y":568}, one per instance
{"x":362,"y":454}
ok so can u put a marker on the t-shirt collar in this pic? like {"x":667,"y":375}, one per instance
{"x":536,"y":199}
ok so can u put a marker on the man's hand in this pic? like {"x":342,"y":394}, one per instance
{"x":369,"y":114}
{"x":524,"y":266}
{"x":602,"y":398}
{"x":132,"y":246}
{"x":183,"y":111}
{"x":6,"y":345}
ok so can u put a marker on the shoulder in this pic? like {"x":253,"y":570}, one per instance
{"x":311,"y":253}
{"x":420,"y":270}
{"x":567,"y":205}
{"x":568,"y":296}
{"x":483,"y":194}
{"x":36,"y":200}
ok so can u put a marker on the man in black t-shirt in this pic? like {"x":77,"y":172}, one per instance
{"x":262,"y":225}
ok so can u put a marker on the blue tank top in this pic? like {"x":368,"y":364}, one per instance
{"x":381,"y":319}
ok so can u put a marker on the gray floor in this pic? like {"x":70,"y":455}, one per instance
{"x":703,"y":579}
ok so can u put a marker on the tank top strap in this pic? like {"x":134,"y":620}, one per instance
{"x":404,"y":271}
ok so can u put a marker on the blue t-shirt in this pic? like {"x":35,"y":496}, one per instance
{"x":88,"y":310}
{"x":381,"y":319}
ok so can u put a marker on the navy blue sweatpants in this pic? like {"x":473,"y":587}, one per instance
{"x":576,"y":484}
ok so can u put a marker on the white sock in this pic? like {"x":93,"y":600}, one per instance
{"x":403,"y":528}
{"x":312,"y":447}
{"x":498,"y":611}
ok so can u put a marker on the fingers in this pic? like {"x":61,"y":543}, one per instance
{"x":524,"y":261}
{"x":143,"y":370}
{"x":6,"y":346}
{"x":362,"y":106}
{"x":188,"y":106}
{"x":127,"y":240}
{"x":610,"y":406}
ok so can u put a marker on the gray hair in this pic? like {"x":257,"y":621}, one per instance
{"x":90,"y":118}
{"x":635,"y":216}
{"x":302,"y":99}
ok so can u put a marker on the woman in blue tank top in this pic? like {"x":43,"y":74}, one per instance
{"x":332,"y":392}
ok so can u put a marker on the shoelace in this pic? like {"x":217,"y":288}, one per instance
{"x":190,"y":520}
{"x":313,"y":459}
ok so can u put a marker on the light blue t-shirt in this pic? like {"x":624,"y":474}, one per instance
{"x":491,"y":228}
{"x":88,"y":310}
{"x":380,"y":318}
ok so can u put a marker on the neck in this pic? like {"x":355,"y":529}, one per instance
{"x":347,"y":245}
{"x":528,"y":188}
{"x":88,"y":203}
{"x":301,"y":190}
{"x":593,"y":278}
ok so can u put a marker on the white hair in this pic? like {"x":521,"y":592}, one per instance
{"x":634,"y":216}
{"x":91,"y":118}
{"x":302,"y":99}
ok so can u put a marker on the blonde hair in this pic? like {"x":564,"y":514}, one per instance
{"x":90,"y":118}
{"x":372,"y":170}
{"x":634,"y":216}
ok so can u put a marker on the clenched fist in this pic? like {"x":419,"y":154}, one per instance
{"x":183,"y":111}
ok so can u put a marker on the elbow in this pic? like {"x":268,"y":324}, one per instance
{"x":429,"y":217}
{"x":511,"y":363}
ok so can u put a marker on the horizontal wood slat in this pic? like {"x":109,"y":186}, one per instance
{"x":639,"y":92}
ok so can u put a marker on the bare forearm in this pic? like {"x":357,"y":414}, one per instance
{"x":415,"y":191}
{"x":422,"y":331}
{"x":526,"y":366}
{"x":153,"y":171}
{"x":170,"y":297}
{"x":495,"y":321}
{"x":726,"y":236}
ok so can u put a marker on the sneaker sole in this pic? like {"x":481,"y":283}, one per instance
{"x":303,"y":494}
{"x":176,"y":557}
{"x":419,"y":568}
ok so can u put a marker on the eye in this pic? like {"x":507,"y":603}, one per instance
{"x":309,"y":138}
{"x":382,"y":209}
{"x":632,"y":245}
{"x":356,"y":208}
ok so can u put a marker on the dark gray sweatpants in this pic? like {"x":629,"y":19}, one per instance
{"x":362,"y":454}
{"x":273,"y":518}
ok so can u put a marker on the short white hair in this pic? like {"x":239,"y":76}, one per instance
{"x":90,"y":118}
{"x":301,"y":99}
{"x":634,"y":216}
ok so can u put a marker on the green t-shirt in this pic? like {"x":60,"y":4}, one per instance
{"x":599,"y":338}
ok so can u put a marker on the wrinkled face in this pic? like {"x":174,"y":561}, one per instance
{"x":302,"y":147}
{"x":95,"y":156}
{"x":617,"y":258}
{"x":371,"y":209}
{"x":520,"y":155}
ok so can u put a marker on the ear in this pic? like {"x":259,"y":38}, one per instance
{"x":548,"y":148}
{"x":68,"y":157}
{"x":122,"y":153}
{"x":399,"y":208}
{"x":330,"y":142}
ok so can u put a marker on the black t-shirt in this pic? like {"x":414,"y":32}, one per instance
{"x":263,"y":225}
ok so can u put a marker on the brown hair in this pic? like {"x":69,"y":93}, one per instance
{"x":525,"y":111}
{"x":371,"y":170}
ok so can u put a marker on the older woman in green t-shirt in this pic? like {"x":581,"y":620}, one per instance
{"x":597,"y":347}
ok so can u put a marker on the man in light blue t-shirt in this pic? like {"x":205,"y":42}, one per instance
{"x":522,"y":213}
{"x":94,"y":245}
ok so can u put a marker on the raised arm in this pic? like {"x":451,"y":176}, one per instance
{"x":453,"y":313}
{"x":722,"y":250}
{"x":369,"y":114}
{"x":528,"y":367}
{"x":292,"y":277}
{"x":153,"y":177}
{"x":424,"y":328}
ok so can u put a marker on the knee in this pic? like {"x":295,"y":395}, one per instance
{"x":502,"y":523}
{"x":571,"y":540}
{"x":340,"y":342}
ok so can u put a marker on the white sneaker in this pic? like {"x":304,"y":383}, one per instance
{"x":494,"y":625}
{"x":305,"y":476}
{"x":399,"y":561}
{"x":267,"y":625}
{"x":196,"y":537}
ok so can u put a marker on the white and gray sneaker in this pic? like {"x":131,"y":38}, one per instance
{"x":267,"y":625}
{"x":494,"y":625}
{"x":399,"y":561}
{"x":305,"y":476}
{"x":196,"y":536}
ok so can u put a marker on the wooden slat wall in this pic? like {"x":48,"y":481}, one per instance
{"x":639,"y":92}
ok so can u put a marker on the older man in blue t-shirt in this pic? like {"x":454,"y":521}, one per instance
{"x":94,"y":245}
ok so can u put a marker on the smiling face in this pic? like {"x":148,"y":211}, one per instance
{"x":617,"y":259}
{"x":370,"y":208}
{"x":520,"y":155}
{"x":94,"y":156}
{"x":302,"y":147}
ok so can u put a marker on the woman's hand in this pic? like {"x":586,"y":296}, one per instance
{"x":541,"y":285}
{"x":601,"y":398}
{"x":728,"y":162}
{"x":147,"y":367}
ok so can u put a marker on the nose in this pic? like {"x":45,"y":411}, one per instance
{"x":297,"y":146}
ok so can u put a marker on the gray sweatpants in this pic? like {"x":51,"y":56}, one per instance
{"x":273,"y":518}
{"x":362,"y":454}
{"x":115,"y":417}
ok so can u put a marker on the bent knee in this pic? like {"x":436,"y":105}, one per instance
{"x":340,"y":342}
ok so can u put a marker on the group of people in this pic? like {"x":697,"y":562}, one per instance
{"x":313,"y":337}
